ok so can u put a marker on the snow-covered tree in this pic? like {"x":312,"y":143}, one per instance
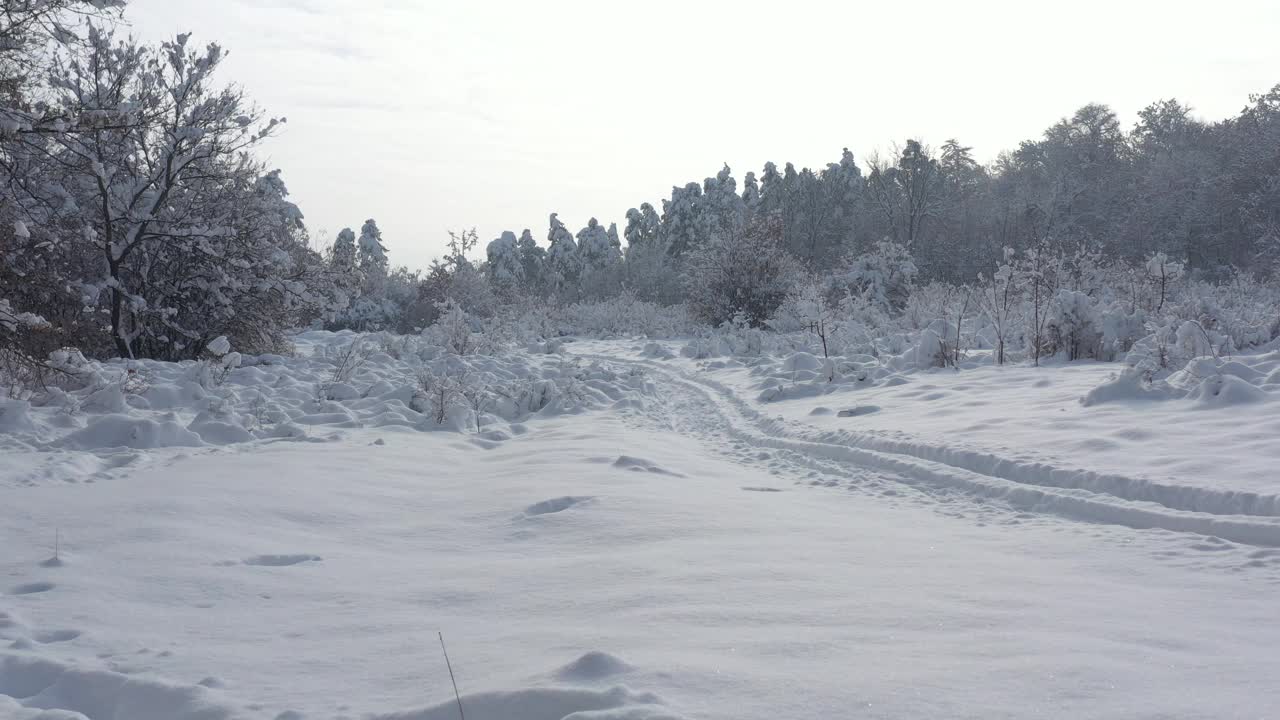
{"x":533,"y":261}
{"x":600,"y":256}
{"x":371,"y":254}
{"x":139,"y":196}
{"x":999,"y":299}
{"x":750,"y":194}
{"x":595,"y":247}
{"x":564,"y":264}
{"x":644,"y":226}
{"x":684,"y":220}
{"x":884,"y":275}
{"x":748,"y":276}
{"x":343,"y":254}
{"x":505,"y":269}
{"x":724,"y":210}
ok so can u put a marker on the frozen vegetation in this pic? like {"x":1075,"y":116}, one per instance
{"x":920,"y":438}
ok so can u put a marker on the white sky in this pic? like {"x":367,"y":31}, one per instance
{"x":430,"y":115}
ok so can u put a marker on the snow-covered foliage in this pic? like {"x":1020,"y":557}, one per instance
{"x":506,"y":268}
{"x":141,"y":225}
{"x":564,"y":262}
{"x":624,"y":315}
{"x":748,"y":274}
{"x":440,"y":380}
{"x":884,"y":275}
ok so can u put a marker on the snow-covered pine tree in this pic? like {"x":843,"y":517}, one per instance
{"x":533,"y":261}
{"x":750,"y":195}
{"x":343,"y":255}
{"x":599,"y":256}
{"x":505,"y":269}
{"x":564,"y":264}
{"x":684,"y":221}
{"x":643,"y":226}
{"x":371,"y":254}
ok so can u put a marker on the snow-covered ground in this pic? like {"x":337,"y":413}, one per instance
{"x":1201,"y":459}
{"x":655,"y":537}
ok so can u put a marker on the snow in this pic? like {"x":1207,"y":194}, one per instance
{"x":1081,"y":438}
{"x":338,"y":380}
{"x":655,"y":542}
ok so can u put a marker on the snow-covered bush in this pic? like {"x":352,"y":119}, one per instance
{"x":930,"y":349}
{"x":862,"y":323}
{"x":439,"y":394}
{"x":884,"y":276}
{"x":1245,"y":310}
{"x":807,"y":308}
{"x":1161,"y":274}
{"x":623,"y":315}
{"x":1074,"y":327}
{"x":453,"y":329}
{"x":748,"y":274}
{"x":1121,"y":329}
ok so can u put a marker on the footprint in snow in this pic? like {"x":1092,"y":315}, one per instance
{"x":49,"y":637}
{"x":31,"y":588}
{"x":555,"y":505}
{"x":280,"y":560}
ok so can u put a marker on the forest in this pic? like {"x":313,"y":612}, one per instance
{"x":137,"y":220}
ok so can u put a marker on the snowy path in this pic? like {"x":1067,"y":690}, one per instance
{"x":715,"y":564}
{"x":1240,"y":517}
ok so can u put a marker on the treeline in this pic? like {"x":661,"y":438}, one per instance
{"x":137,"y":221}
{"x":1204,"y":194}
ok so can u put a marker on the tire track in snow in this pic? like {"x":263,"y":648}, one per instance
{"x":1099,"y":500}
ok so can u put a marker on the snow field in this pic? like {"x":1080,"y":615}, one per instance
{"x":618,"y":564}
{"x":1192,"y":461}
{"x":656,"y":541}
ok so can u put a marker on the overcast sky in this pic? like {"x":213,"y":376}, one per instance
{"x":434,"y":115}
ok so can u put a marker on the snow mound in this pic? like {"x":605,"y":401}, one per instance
{"x":635,"y":464}
{"x":592,"y":666}
{"x":112,"y":431}
{"x":1206,"y":382}
{"x":546,"y":704}
{"x":335,"y":380}
{"x":801,"y":361}
{"x":657,"y":351}
{"x":1225,"y":391}
{"x":1127,"y":385}
{"x":36,"y":689}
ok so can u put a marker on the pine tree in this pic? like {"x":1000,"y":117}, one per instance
{"x":563,"y":262}
{"x":371,"y":254}
{"x":505,"y":269}
{"x":533,"y":262}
